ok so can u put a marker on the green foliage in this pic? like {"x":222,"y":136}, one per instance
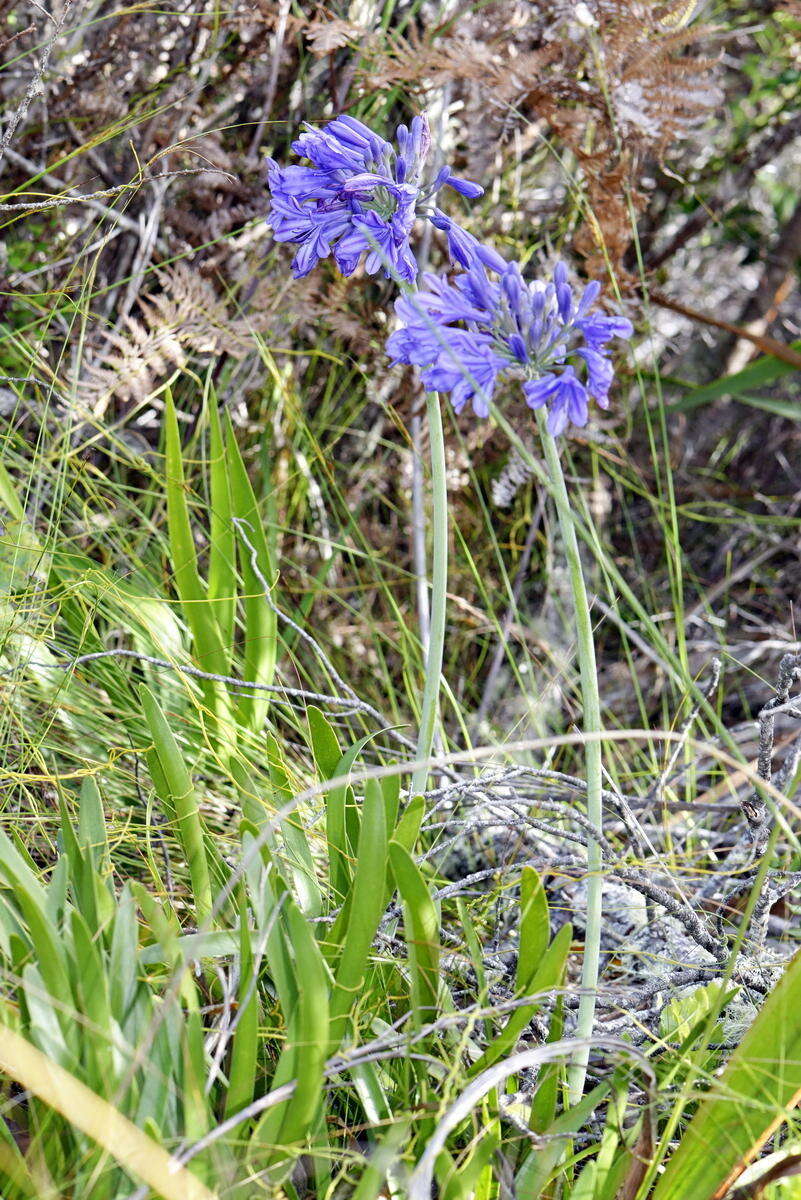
{"x":751,"y":1099}
{"x":743,"y":386}
{"x":246,"y":951}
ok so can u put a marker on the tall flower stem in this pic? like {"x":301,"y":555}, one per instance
{"x":592,"y":724}
{"x":439,"y":582}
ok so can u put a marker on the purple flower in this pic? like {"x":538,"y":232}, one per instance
{"x":458,"y":361}
{"x":600,"y":374}
{"x":360,"y":197}
{"x":466,"y":333}
{"x":463,"y":247}
{"x":565,"y":397}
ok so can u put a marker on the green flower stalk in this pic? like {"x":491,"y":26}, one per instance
{"x":439,"y":584}
{"x":593,"y":768}
{"x":554,"y":481}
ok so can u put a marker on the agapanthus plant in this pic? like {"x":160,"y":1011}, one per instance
{"x":466,"y":334}
{"x":360,"y":198}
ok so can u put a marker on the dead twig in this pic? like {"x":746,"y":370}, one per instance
{"x":767,"y":345}
{"x":35,"y":85}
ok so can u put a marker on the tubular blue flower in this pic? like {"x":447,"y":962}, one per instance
{"x":565,"y":397}
{"x":463,"y":247}
{"x":458,"y":361}
{"x":360,"y":197}
{"x":467,"y":333}
{"x":600,"y":374}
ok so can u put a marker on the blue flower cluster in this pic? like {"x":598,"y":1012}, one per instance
{"x":359,"y":200}
{"x":465,"y":334}
{"x":361,"y":196}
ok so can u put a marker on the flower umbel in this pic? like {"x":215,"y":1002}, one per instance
{"x":467,"y":333}
{"x":360,"y":197}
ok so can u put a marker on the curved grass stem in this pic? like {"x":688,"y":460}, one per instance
{"x":592,"y":724}
{"x":439,"y":581}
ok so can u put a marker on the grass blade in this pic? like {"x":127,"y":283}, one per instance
{"x":208,"y":647}
{"x":764,"y":371}
{"x":312,"y":1028}
{"x":547,"y":976}
{"x":186,"y":576}
{"x":535,"y":928}
{"x":301,"y":862}
{"x":282,"y":1127}
{"x":341,"y":815}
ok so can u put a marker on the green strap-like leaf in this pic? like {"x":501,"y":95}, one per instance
{"x":754,"y":1095}
{"x":209,"y":652}
{"x":260,"y":619}
{"x":244,"y":1054}
{"x":548,"y":976}
{"x":422,"y":932}
{"x":181,"y":793}
{"x":742,"y":384}
{"x":366,"y":907}
{"x":222,"y":535}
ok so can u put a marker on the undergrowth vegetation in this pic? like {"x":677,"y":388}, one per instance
{"x":289,"y":907}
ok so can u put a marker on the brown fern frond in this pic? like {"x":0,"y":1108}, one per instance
{"x":189,"y":305}
{"x":325,"y":36}
{"x":131,"y":365}
{"x":186,"y":315}
{"x":658,"y":91}
{"x":619,"y":87}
